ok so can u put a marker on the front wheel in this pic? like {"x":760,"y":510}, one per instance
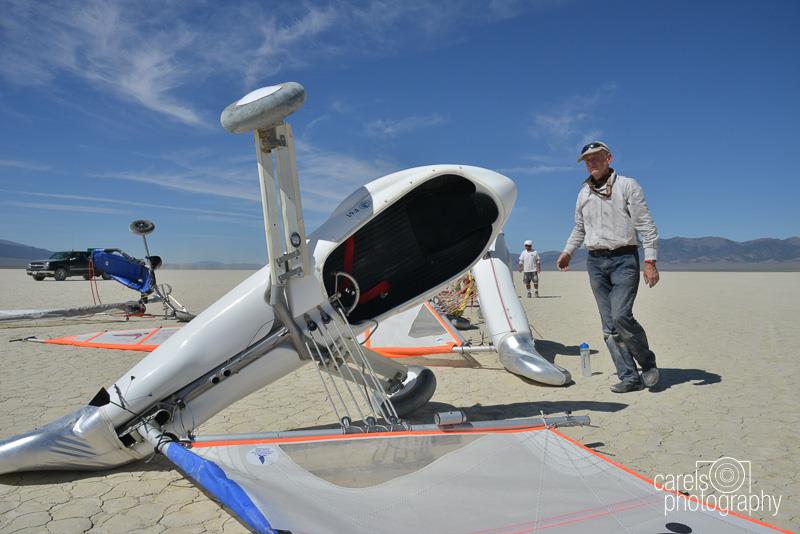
{"x":60,"y":274}
{"x":38,"y":277}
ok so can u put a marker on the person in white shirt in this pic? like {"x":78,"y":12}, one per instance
{"x":530,"y":265}
{"x":610,"y":210}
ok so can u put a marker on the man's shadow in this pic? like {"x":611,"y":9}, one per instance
{"x":671,"y":377}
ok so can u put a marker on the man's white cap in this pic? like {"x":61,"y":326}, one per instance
{"x":591,"y":148}
{"x":528,"y":242}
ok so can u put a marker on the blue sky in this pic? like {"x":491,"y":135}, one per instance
{"x":109,"y":111}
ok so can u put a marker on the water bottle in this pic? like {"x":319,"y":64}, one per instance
{"x":586,"y":363}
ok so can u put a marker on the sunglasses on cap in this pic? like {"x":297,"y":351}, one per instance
{"x":591,"y":146}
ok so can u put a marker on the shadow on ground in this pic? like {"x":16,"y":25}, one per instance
{"x":551,"y":349}
{"x":38,"y":478}
{"x":672,"y":377}
{"x":516,"y":410}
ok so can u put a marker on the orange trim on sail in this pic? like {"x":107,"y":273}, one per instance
{"x":303,"y":439}
{"x":663,"y":488}
{"x":92,"y":345}
{"x":445,"y":324}
{"x":409,"y":352}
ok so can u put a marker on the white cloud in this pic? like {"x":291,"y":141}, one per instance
{"x":106,"y":200}
{"x":115,"y":46}
{"x":387,"y":128}
{"x":325,"y":177}
{"x":536,"y":170}
{"x":227,"y":184}
{"x":65,"y":207}
{"x":26,"y":165}
{"x":571,"y":122}
{"x":159,"y":54}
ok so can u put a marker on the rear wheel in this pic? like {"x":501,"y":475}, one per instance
{"x":60,"y":274}
{"x":417,"y":390}
{"x":105,"y":276}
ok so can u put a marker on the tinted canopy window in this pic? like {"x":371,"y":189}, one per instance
{"x":428,"y":236}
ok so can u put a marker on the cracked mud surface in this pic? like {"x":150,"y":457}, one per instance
{"x":726,"y":343}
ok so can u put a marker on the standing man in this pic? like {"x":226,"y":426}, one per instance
{"x":611,"y":209}
{"x":530,"y":265}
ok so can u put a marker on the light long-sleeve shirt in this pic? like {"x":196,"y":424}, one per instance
{"x":612,"y":221}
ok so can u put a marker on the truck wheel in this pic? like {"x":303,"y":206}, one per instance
{"x":38,"y":277}
{"x":60,"y":274}
{"x":106,"y":276}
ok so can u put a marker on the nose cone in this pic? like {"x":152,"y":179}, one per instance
{"x":80,"y":440}
{"x":519,"y":356}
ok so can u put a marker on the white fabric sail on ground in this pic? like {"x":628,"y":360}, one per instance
{"x":451,"y":482}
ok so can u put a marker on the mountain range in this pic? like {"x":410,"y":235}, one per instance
{"x":675,"y":254}
{"x":710,"y":254}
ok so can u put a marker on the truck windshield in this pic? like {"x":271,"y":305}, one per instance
{"x":59,"y":256}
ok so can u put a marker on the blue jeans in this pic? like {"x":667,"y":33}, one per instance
{"x":615,"y":282}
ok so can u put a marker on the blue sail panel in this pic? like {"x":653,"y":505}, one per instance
{"x":214,"y":480}
{"x":123,"y":268}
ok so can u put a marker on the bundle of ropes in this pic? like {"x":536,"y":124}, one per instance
{"x":454,"y":299}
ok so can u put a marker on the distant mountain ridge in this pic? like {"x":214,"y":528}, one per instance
{"x":675,"y":254}
{"x":13,"y":255}
{"x":711,"y":254}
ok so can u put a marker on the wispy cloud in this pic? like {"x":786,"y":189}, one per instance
{"x":26,"y":165}
{"x":325,"y":177}
{"x":148,"y":205}
{"x":122,"y":48}
{"x":534,"y":170}
{"x":64,"y":207}
{"x":387,"y":128}
{"x":229,"y":184}
{"x":114,"y":46}
{"x":571,"y":122}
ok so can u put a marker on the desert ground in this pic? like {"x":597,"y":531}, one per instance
{"x":727,"y":345}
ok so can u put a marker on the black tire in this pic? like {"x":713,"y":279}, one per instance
{"x":60,"y":274}
{"x":38,"y":277}
{"x":416,"y":394}
{"x":105,"y":276}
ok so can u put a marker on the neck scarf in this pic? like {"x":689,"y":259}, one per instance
{"x":603,"y":190}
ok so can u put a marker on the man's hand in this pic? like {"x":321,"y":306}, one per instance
{"x":563,"y":261}
{"x":520,"y":268}
{"x":650,"y":274}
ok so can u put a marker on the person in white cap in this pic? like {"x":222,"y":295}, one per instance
{"x":610,"y":211}
{"x":530,"y":265}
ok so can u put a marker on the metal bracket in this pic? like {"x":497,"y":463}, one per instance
{"x":286,"y":258}
{"x":270,"y":139}
{"x":297,"y":271}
